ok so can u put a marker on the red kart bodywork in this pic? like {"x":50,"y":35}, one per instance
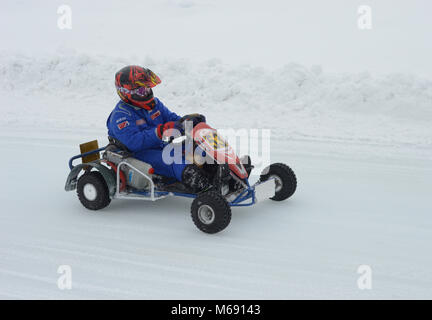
{"x":218,"y":149}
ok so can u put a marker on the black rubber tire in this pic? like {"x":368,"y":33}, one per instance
{"x":288,"y":177}
{"x":96,"y":179}
{"x":221,"y":211}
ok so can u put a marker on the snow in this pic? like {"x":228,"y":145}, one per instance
{"x":355,"y":128}
{"x":293,"y":100}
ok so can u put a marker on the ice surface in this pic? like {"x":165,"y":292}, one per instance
{"x":353,"y":207}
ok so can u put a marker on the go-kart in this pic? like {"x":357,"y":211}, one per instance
{"x":118,"y":175}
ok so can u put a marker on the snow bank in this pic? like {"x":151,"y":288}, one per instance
{"x":75,"y":91}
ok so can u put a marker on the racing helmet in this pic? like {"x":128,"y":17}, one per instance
{"x":134,"y":86}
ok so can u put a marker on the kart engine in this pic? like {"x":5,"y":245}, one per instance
{"x":134,"y":178}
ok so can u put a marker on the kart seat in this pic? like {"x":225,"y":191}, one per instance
{"x":116,"y":147}
{"x":116,"y":144}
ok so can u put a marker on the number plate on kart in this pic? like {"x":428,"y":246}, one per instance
{"x":265,"y":190}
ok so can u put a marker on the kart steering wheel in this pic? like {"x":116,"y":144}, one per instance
{"x":194,"y":117}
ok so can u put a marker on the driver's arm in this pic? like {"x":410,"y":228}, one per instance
{"x":132,"y":137}
{"x":167,"y":115}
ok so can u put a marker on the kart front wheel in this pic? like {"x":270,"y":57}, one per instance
{"x":285,"y":180}
{"x":93,"y":191}
{"x":210,"y":212}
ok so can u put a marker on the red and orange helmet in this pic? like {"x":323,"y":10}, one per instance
{"x":134,"y":86}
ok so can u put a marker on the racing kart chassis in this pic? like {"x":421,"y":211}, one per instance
{"x":153,"y":194}
{"x":100,"y":180}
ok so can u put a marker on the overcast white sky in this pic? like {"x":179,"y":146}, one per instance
{"x":267,"y":33}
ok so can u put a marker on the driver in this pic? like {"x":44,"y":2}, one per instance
{"x":139,"y":121}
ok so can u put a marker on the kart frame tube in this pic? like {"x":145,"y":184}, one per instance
{"x":248,"y":193}
{"x":71,"y":166}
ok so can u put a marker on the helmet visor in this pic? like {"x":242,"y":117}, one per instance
{"x":142,"y":94}
{"x":142,"y":91}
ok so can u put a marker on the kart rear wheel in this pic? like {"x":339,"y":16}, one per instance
{"x":285,"y":180}
{"x":210,"y":212}
{"x":93,"y":191}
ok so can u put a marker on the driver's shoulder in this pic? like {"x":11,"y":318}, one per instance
{"x":159,"y":105}
{"x":122,"y":109}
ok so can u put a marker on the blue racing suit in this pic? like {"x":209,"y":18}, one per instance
{"x":136,"y":129}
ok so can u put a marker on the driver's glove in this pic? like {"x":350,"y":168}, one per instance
{"x":167,"y":129}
